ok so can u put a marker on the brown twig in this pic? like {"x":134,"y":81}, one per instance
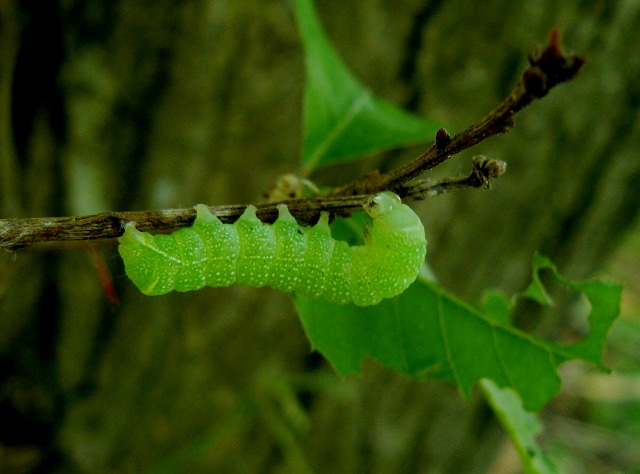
{"x":546,"y":70}
{"x":19,"y":233}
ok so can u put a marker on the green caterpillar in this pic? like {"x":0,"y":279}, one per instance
{"x":284,"y":255}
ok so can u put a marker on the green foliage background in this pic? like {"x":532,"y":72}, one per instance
{"x":132,"y":106}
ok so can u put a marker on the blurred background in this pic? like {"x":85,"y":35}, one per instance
{"x":119,"y":105}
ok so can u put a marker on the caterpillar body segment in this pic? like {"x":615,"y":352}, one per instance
{"x":284,"y":255}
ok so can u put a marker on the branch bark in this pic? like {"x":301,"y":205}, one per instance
{"x":547,"y":69}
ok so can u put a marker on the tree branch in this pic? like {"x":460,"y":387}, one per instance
{"x":546,"y":70}
{"x":21,"y":232}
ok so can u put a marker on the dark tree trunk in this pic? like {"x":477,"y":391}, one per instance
{"x":132,"y":105}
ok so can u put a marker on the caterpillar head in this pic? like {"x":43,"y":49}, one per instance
{"x":391,"y":216}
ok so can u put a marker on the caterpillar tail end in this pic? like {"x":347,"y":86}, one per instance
{"x":131,"y":235}
{"x":133,"y":244}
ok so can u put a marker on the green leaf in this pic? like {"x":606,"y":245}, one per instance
{"x":428,"y":332}
{"x":536,"y":290}
{"x":604,"y":298}
{"x":495,"y":306}
{"x":342,"y":117}
{"x":522,"y":426}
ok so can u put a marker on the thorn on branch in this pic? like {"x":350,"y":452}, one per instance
{"x":489,"y":168}
{"x":550,"y":67}
{"x":442,"y":139}
{"x":484,"y":169}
